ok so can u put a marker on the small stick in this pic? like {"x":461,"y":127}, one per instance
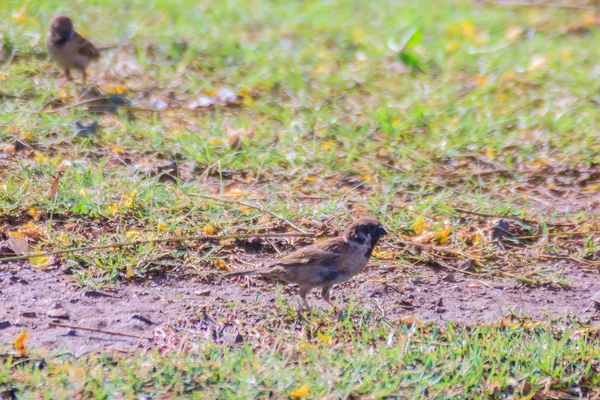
{"x":256,"y":206}
{"x":175,"y":239}
{"x":75,"y":105}
{"x":83,"y":328}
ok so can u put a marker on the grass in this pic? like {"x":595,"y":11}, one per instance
{"x":352,"y":358}
{"x":494,"y":110}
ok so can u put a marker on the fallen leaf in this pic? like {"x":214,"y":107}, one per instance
{"x":54,"y":187}
{"x":208,"y":229}
{"x":162,"y":226}
{"x":19,"y":342}
{"x":18,"y":245}
{"x":442,"y":236}
{"x":452,"y":46}
{"x":410,"y":320}
{"x":129,"y":273}
{"x":489,"y":153}
{"x":419,"y":225}
{"x":132,"y":234}
{"x":324,"y":338}
{"x":20,"y":16}
{"x":233,"y":190}
{"x":235,"y":137}
{"x":220,"y":264}
{"x":40,"y":261}
{"x":31,"y":230}
{"x":299,"y":393}
{"x":129,"y":200}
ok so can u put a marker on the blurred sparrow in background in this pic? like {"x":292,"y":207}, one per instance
{"x":326,"y":263}
{"x":68,"y":49}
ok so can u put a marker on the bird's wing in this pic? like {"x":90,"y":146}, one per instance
{"x":84,"y":47}
{"x":327,"y":252}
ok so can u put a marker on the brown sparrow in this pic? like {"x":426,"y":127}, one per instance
{"x":326,"y":263}
{"x":68,"y":48}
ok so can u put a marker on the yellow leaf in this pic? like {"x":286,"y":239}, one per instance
{"x":311,"y":178}
{"x":220,"y":264}
{"x":40,"y":158}
{"x":384,"y":255}
{"x":30,"y":230}
{"x":452,"y":46}
{"x":117,"y":150}
{"x":216,"y":142}
{"x":129,"y":273}
{"x":35,"y":213}
{"x":395,"y":122}
{"x":410,"y":320}
{"x":357,"y":34}
{"x":245,"y":209}
{"x":299,"y":393}
{"x":130,"y":199}
{"x":40,"y":262}
{"x":419,"y":225}
{"x":83,"y":192}
{"x":62,"y":238}
{"x":208,"y":229}
{"x":132,"y":234}
{"x":113,"y":89}
{"x":590,"y":189}
{"x":590,"y":18}
{"x":565,"y":54}
{"x":539,"y":163}
{"x":114,"y":208}
{"x":366,"y":177}
{"x":489,"y":153}
{"x":467,"y":29}
{"x":20,"y":16}
{"x":62,"y":368}
{"x":16,"y":234}
{"x":19,"y":342}
{"x":328,"y":144}
{"x":162,"y":226}
{"x":481,"y":80}
{"x":442,"y":236}
{"x":324,"y":338}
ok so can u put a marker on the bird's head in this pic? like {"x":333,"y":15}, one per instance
{"x":365,"y":231}
{"x":61,"y":27}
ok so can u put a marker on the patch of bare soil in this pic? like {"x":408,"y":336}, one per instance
{"x":230,"y":311}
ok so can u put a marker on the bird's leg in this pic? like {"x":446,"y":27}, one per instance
{"x":304,"y":291}
{"x":84,"y":76}
{"x":325,"y":293}
{"x":66,"y":78}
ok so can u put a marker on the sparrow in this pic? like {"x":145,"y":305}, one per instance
{"x":326,"y":263}
{"x":69,"y":49}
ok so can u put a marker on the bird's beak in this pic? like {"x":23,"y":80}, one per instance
{"x":381,"y":231}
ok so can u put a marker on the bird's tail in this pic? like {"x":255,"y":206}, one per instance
{"x":243,"y":273}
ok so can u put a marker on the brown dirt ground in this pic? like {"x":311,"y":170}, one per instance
{"x":230,"y":309}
